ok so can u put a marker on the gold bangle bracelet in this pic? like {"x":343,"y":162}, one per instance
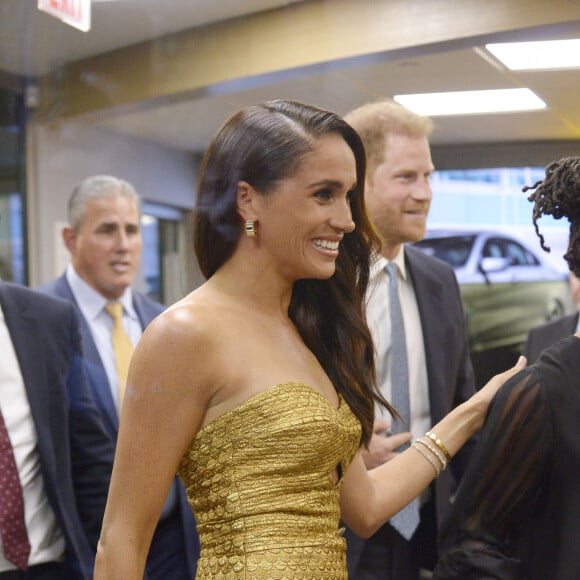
{"x":434,"y":451}
{"x":439,"y":444}
{"x":428,"y":458}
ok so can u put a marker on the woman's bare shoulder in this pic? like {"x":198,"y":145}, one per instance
{"x":192,"y":318}
{"x":184,"y":337}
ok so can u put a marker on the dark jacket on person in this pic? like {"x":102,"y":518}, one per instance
{"x":76,"y":453}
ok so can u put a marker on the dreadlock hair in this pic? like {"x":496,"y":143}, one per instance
{"x":558,"y":195}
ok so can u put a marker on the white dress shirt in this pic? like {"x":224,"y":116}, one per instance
{"x":380,"y":324}
{"x":44,"y":535}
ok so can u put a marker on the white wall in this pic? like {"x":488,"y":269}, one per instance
{"x":60,"y":156}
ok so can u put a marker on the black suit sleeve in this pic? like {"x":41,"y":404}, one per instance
{"x":465,"y":379}
{"x":539,"y":338}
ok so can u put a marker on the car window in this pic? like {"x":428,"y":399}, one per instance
{"x":493,"y":248}
{"x":518,"y":255}
{"x":454,"y":250}
{"x":515,"y":253}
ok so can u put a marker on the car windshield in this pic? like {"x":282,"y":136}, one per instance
{"x":454,"y":250}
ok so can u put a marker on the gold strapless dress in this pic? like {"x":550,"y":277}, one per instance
{"x":260,"y":481}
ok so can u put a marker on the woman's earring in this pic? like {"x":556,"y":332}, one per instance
{"x":250,"y":229}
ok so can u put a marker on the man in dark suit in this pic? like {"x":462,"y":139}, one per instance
{"x":104,"y":241}
{"x":545,"y":335}
{"x":438,"y":374}
{"x":61,"y":450}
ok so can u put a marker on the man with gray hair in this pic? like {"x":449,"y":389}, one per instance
{"x":103,"y":237}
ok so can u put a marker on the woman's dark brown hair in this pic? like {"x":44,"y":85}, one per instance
{"x":262,"y":145}
{"x":558,"y":195}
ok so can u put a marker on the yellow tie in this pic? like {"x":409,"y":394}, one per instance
{"x":122,"y":346}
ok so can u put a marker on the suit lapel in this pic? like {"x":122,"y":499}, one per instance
{"x":27,"y":341}
{"x":94,"y":367}
{"x":428,"y":293}
{"x":145,"y":311}
{"x":140,"y":310}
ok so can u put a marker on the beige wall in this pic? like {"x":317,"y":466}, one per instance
{"x":309,"y":33}
{"x":59,"y":156}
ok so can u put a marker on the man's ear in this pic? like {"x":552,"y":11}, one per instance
{"x":246,"y":201}
{"x":69,"y":237}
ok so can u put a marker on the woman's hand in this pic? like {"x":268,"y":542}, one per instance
{"x":484,"y":396}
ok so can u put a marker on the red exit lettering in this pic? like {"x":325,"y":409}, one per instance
{"x":69,"y":8}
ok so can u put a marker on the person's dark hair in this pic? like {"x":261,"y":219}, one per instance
{"x":558,"y":195}
{"x":262,"y":145}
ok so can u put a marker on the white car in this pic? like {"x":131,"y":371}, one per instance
{"x":488,"y":257}
{"x":506,"y":288}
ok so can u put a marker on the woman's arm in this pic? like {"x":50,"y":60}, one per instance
{"x":369,"y":499}
{"x":164,"y":406}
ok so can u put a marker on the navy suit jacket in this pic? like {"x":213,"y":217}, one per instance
{"x":545,"y":335}
{"x":146,"y":310}
{"x":76,"y":453}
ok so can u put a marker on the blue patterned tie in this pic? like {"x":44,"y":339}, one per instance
{"x":407,"y":520}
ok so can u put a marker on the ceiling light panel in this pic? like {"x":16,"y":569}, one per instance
{"x":542,"y":55}
{"x":472,"y":102}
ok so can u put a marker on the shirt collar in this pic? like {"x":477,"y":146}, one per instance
{"x":92,"y":302}
{"x":379,"y":263}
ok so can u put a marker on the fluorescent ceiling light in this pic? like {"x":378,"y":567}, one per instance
{"x":472,"y":102}
{"x":546,"y":54}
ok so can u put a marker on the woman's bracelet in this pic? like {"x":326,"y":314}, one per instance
{"x":434,"y":451}
{"x":439,"y":444}
{"x":428,"y":457}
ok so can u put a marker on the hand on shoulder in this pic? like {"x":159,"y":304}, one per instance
{"x":484,"y":396}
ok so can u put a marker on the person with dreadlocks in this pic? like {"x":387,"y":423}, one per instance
{"x":515,"y":515}
{"x":562,"y":177}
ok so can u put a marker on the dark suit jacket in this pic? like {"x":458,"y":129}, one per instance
{"x":545,"y":335}
{"x":146,"y":310}
{"x":76,"y":454}
{"x":449,"y":370}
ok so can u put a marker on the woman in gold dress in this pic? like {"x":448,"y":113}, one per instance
{"x":258,"y":387}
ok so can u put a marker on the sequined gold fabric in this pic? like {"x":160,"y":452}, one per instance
{"x":261,"y":481}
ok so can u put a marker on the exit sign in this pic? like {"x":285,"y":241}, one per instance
{"x":76,"y":13}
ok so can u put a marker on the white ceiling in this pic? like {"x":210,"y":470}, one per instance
{"x":33,"y":43}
